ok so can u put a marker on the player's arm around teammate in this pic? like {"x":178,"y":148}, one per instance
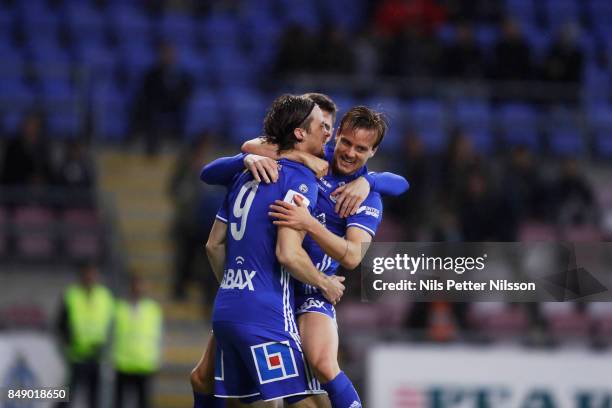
{"x":319,"y":333}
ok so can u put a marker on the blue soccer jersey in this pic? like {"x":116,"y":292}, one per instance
{"x":255,"y":289}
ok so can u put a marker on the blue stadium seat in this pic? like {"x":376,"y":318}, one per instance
{"x":11,"y":60}
{"x":566,"y":142}
{"x":301,"y":12}
{"x":246,"y":109}
{"x":600,"y":13}
{"x":64,"y":109}
{"x":519,"y":125}
{"x":474,"y":117}
{"x":129,"y":23}
{"x":343,"y":102}
{"x":84,"y":22}
{"x":560,"y":12}
{"x":539,"y":41}
{"x":473,"y":114}
{"x":392,"y":109}
{"x":48,"y":53}
{"x":603,"y":144}
{"x":221,"y":31}
{"x":195,"y":63}
{"x":447,"y":34}
{"x":596,"y":83}
{"x":110,"y":112}
{"x":522,"y":10}
{"x":16,"y":98}
{"x":231,"y":67}
{"x":97,"y":58}
{"x":40,"y":25}
{"x":564,"y":132}
{"x":600,"y":122}
{"x":177,"y":28}
{"x":204,"y":113}
{"x":486,"y":36}
{"x":348,"y":14}
{"x":136,"y":57}
{"x":428,"y":119}
{"x":7,"y":19}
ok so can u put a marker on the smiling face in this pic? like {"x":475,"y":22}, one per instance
{"x":353,"y":149}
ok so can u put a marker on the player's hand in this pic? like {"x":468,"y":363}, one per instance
{"x":262,"y":168}
{"x":318,"y":166}
{"x":349,"y":197}
{"x":332,"y":288}
{"x":296,"y":216}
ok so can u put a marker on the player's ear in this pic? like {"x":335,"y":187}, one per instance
{"x":299,"y":134}
{"x":373,"y":152}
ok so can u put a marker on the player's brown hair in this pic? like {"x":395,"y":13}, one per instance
{"x":287,"y":113}
{"x":362,"y":117}
{"x":325,"y":103}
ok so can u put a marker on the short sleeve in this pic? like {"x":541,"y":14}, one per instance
{"x":368,"y":215}
{"x":223,"y":212}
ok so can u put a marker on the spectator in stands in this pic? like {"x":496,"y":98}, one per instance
{"x":294,"y":52}
{"x":83,"y":325}
{"x":27,"y":159}
{"x":524,"y":192}
{"x":412,"y":53}
{"x":410,"y":207}
{"x":162,"y":100}
{"x":464,"y":59}
{"x":333,"y":53}
{"x":365,"y":50}
{"x":195,"y":208}
{"x":77,"y":174}
{"x":474,"y":11}
{"x":512,"y":55}
{"x":574,"y":196}
{"x":565,"y":61}
{"x":479,"y":209}
{"x":137,"y":341}
{"x":459,"y":161}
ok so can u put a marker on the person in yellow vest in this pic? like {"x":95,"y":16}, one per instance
{"x":84,"y":321}
{"x":137,"y":338}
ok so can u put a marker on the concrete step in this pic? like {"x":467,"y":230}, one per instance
{"x":183,"y":311}
{"x":175,"y":399}
{"x":156,"y":245}
{"x":144,"y":226}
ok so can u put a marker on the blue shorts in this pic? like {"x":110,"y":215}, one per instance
{"x":314,"y":303}
{"x":257,"y":362}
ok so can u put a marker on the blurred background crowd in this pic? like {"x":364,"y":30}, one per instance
{"x":500,"y":117}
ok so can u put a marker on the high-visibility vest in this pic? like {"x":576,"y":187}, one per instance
{"x":89,"y":316}
{"x":137,"y":337}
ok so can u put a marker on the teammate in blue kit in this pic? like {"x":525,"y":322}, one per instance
{"x":259,"y":347}
{"x":361,"y":132}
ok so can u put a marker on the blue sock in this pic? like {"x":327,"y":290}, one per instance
{"x":341,"y":392}
{"x":207,"y":401}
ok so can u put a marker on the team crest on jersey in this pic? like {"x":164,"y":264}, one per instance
{"x":374,"y":212}
{"x":291,"y":194}
{"x":274,"y":361}
{"x":303,"y":188}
